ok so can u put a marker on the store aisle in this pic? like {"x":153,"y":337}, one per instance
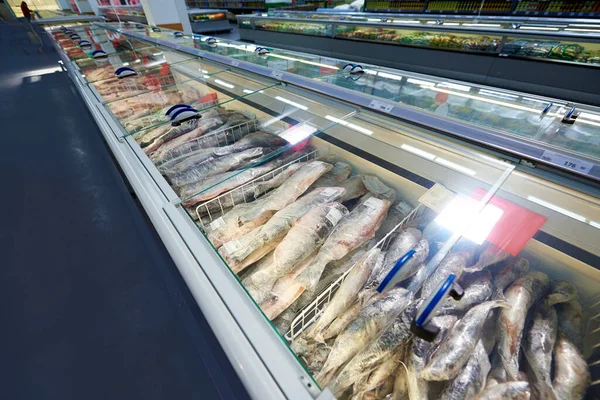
{"x":91,"y":305}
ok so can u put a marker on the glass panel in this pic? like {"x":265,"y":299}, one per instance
{"x":148,"y":111}
{"x":101,"y":68}
{"x":160,"y":74}
{"x":162,"y":59}
{"x":563,"y":50}
{"x":299,"y":64}
{"x":304,"y":28}
{"x":444,"y":40}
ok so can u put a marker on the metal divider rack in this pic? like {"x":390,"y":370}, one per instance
{"x":222,"y":137}
{"x":154,"y":119}
{"x":312,"y":311}
{"x":219,"y":204}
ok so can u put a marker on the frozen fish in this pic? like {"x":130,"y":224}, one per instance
{"x":570,"y":322}
{"x":306,"y":236}
{"x":490,"y":256}
{"x":472,"y":379}
{"x":561,"y":292}
{"x":453,"y":263}
{"x":454,"y":352}
{"x":252,"y":140}
{"x":515,"y":390}
{"x":368,"y":325}
{"x":477,"y":290}
{"x":515,"y":269}
{"x":571,"y":374}
{"x":521,"y":295}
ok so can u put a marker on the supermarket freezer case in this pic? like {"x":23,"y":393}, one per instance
{"x":410,"y":162}
{"x":517,"y":55}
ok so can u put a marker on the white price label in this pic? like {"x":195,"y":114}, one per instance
{"x":277,"y":74}
{"x":217,"y":223}
{"x":232,"y":247}
{"x":328,"y":192}
{"x":437,"y":198}
{"x":235,"y":63}
{"x":373,"y":202}
{"x":568,"y":162}
{"x":381,"y":106}
{"x":334,"y":215}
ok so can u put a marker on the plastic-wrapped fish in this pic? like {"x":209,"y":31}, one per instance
{"x":454,"y":352}
{"x":490,"y":256}
{"x":477,"y":289}
{"x":189,"y":171}
{"x":472,"y":379}
{"x":515,"y":269}
{"x":307,"y":235}
{"x":348,"y":291}
{"x":570,"y":322}
{"x":280,"y":223}
{"x":521,"y":295}
{"x":571,"y":374}
{"x":368,"y":325}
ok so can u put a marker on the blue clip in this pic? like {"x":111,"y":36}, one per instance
{"x":421,"y":325}
{"x":67,"y":31}
{"x":155,"y":29}
{"x":124,"y":72}
{"x":74,"y":36}
{"x":99,"y":54}
{"x":175,"y":107}
{"x":395,"y":270}
{"x":139,"y":26}
{"x":184,"y":114}
{"x":211,"y":40}
{"x":84,"y":43}
{"x":178,"y":34}
{"x":262,"y":51}
{"x":357,"y":69}
{"x":345,"y":67}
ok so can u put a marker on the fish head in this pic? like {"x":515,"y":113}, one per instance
{"x":561,"y":292}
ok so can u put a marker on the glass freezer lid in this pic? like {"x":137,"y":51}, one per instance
{"x":124,"y":58}
{"x":148,"y":111}
{"x":160,"y":59}
{"x":510,"y":113}
{"x":154,"y":75}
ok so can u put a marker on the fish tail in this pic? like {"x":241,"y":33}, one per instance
{"x":545,"y":391}
{"x":502,"y":303}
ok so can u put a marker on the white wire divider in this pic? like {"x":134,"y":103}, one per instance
{"x":217,"y":207}
{"x":312,"y":311}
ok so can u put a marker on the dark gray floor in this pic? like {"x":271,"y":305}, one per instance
{"x":91,"y":305}
{"x":234,"y":34}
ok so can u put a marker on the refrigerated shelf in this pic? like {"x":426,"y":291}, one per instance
{"x":208,"y":20}
{"x":518,"y":54}
{"x":547,"y":218}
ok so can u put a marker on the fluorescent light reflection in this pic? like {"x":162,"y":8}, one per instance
{"x":556,"y":208}
{"x":420,"y":82}
{"x":390,"y":76}
{"x":455,"y":86}
{"x":460,"y":216}
{"x":298,"y":133}
{"x":538,"y":28}
{"x":253,"y":91}
{"x":455,"y":166}
{"x":223,"y":83}
{"x":291,"y":103}
{"x":483,"y":25}
{"x":303,"y":61}
{"x":350,"y":125}
{"x":419,"y":152}
{"x":583,"y":30}
{"x":500,"y":103}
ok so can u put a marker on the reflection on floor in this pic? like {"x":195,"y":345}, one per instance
{"x":234,"y":34}
{"x":92,"y":305}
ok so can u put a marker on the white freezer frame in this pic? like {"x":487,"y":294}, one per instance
{"x":261,"y":359}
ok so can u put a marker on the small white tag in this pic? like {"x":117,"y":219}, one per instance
{"x":328,"y":192}
{"x":232,"y":247}
{"x":277,"y":74}
{"x":217,"y":223}
{"x":567,"y":162}
{"x":437,"y":198}
{"x":235,"y":63}
{"x":334,"y":215}
{"x":373,"y":202}
{"x":403,"y":207}
{"x":381,"y":106}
